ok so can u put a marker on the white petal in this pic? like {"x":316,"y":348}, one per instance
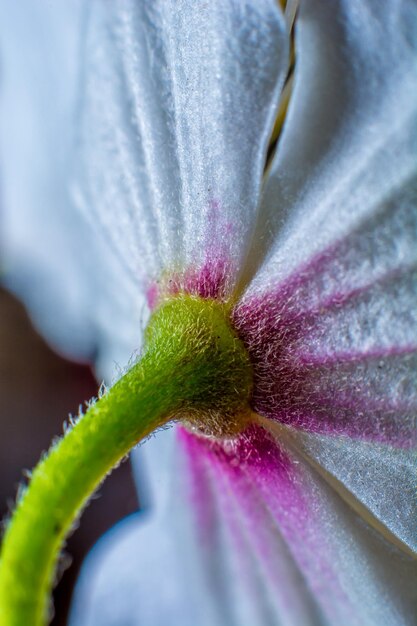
{"x":140,"y":545}
{"x":160,"y":570}
{"x":179,"y":101}
{"x":338,"y":293}
{"x":268,"y":543}
{"x":380,"y":478}
{"x":51,"y":258}
{"x":334,"y":350}
{"x":35,"y":102}
{"x":347,"y":152}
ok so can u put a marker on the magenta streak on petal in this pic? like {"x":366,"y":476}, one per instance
{"x":199,"y":488}
{"x":288,"y":384}
{"x":351,"y":357}
{"x":350,"y":257}
{"x":227,"y":479}
{"x":289,"y":389}
{"x":152,"y":295}
{"x":211,"y":278}
{"x":211,"y":275}
{"x":215,"y":523}
{"x":280,"y":484}
{"x":334,"y":399}
{"x":252,"y":448}
{"x":280,"y":520}
{"x":208,"y":281}
{"x":306,"y":316}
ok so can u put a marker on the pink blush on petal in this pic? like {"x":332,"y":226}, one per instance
{"x":211,"y":273}
{"x":254,"y":451}
{"x":254,"y":474}
{"x":209,"y":281}
{"x":152,"y":296}
{"x":322,"y":392}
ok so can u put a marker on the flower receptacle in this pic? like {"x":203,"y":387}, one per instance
{"x":194,"y":338}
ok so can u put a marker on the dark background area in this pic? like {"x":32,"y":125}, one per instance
{"x":38,"y":389}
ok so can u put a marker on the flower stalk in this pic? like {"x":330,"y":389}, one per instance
{"x":194,"y":368}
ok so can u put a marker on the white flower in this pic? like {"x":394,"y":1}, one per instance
{"x":170,"y":139}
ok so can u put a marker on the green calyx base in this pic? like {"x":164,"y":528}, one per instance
{"x":193,"y":368}
{"x":207,"y":358}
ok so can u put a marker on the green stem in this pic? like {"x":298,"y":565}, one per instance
{"x":60,"y":486}
{"x":193,"y":365}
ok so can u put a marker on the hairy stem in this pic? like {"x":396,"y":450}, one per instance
{"x":61,"y":485}
{"x":193,"y":367}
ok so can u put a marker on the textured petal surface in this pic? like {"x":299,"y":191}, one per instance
{"x":334,"y":344}
{"x":376,"y":480}
{"x":351,"y":575}
{"x":268,"y":542}
{"x":331,"y":316}
{"x":348,"y":146}
{"x":179,"y":102}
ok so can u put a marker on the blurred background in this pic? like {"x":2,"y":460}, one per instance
{"x":38,"y":389}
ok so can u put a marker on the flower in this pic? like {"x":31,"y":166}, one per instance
{"x":307,"y":518}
